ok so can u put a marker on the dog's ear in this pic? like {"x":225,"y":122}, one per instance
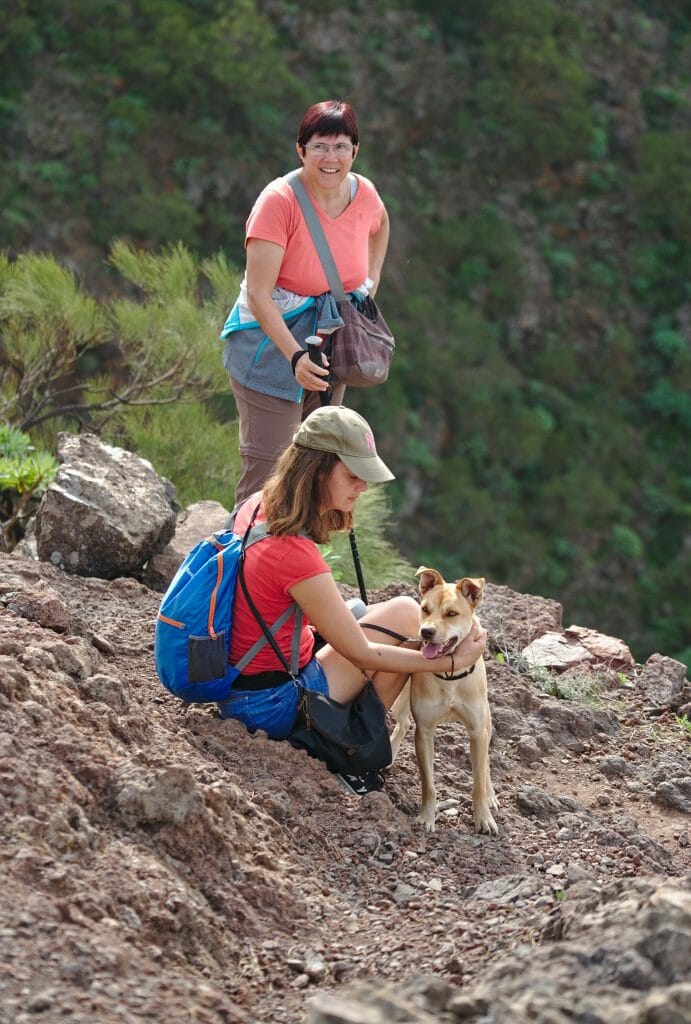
{"x":472,"y":590}
{"x":428,"y":578}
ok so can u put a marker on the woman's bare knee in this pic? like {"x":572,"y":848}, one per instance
{"x":400,"y":613}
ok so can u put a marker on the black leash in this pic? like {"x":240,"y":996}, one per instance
{"x":389,"y":632}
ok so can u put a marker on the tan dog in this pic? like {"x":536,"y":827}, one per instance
{"x":446,"y":617}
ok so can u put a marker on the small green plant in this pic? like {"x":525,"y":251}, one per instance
{"x":511,"y":656}
{"x":624,"y":681}
{"x":685,"y":722}
{"x":582,"y":686}
{"x":25,"y":473}
{"x":572,"y":685}
{"x":545,"y":680}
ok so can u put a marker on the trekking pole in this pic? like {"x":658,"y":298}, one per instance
{"x":314,"y":348}
{"x":357,"y":564}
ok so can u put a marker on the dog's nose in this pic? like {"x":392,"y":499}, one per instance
{"x":427,"y":632}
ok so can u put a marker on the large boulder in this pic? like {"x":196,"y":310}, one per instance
{"x":107,"y":511}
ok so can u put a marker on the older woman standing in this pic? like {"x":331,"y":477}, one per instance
{"x":283,"y":297}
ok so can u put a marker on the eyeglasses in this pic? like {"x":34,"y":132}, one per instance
{"x":339,"y":148}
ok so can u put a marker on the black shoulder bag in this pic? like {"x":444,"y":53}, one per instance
{"x":349,"y":738}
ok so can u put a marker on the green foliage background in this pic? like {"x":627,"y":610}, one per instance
{"x":534,"y":159}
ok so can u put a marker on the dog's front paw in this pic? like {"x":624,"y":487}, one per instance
{"x":427,"y":817}
{"x":484,"y":822}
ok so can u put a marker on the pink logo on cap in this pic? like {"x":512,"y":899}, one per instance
{"x":369,"y":438}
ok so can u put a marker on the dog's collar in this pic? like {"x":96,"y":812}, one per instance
{"x":459,"y":675}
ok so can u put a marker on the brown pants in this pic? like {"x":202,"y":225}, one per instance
{"x":267,"y":425}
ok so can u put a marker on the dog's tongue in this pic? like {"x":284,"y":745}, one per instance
{"x":431,"y":650}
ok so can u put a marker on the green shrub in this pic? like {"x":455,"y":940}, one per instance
{"x":627,"y":543}
{"x":25,"y":473}
{"x":52,"y":332}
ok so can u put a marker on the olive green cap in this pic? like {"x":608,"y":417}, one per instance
{"x":333,"y":428}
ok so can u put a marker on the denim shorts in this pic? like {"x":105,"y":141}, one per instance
{"x":274,"y":710}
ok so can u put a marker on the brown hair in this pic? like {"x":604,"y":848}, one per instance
{"x":293,"y":495}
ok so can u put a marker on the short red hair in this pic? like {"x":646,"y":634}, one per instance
{"x":331,"y":117}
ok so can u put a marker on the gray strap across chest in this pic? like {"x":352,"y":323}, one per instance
{"x":318,"y":236}
{"x":257,"y":533}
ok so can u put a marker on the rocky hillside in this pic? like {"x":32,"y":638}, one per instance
{"x":160,"y":866}
{"x":533,"y":156}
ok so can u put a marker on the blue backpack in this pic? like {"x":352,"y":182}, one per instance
{"x":192,"y":635}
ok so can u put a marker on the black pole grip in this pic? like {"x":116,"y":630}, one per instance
{"x":314,"y":347}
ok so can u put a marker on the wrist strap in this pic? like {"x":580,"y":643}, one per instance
{"x":294,"y":358}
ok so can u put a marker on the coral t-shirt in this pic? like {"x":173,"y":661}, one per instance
{"x":276,"y":217}
{"x":272,"y":566}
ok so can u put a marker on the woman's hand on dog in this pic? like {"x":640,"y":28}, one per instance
{"x":469,"y":649}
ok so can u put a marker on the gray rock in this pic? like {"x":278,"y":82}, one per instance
{"x":356,"y":1009}
{"x":107,"y":689}
{"x":527,"y":749}
{"x":170,"y":796}
{"x":508,"y":889}
{"x":403,"y":893}
{"x":662,"y":679}
{"x":566,"y":720}
{"x":614,"y":767}
{"x":106,"y":513}
{"x":670,"y":765}
{"x":619,"y":955}
{"x":507,"y":723}
{"x":675,"y":793}
{"x":536,"y":803}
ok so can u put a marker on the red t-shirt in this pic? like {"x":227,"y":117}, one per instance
{"x":272,"y":566}
{"x":276,"y":217}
